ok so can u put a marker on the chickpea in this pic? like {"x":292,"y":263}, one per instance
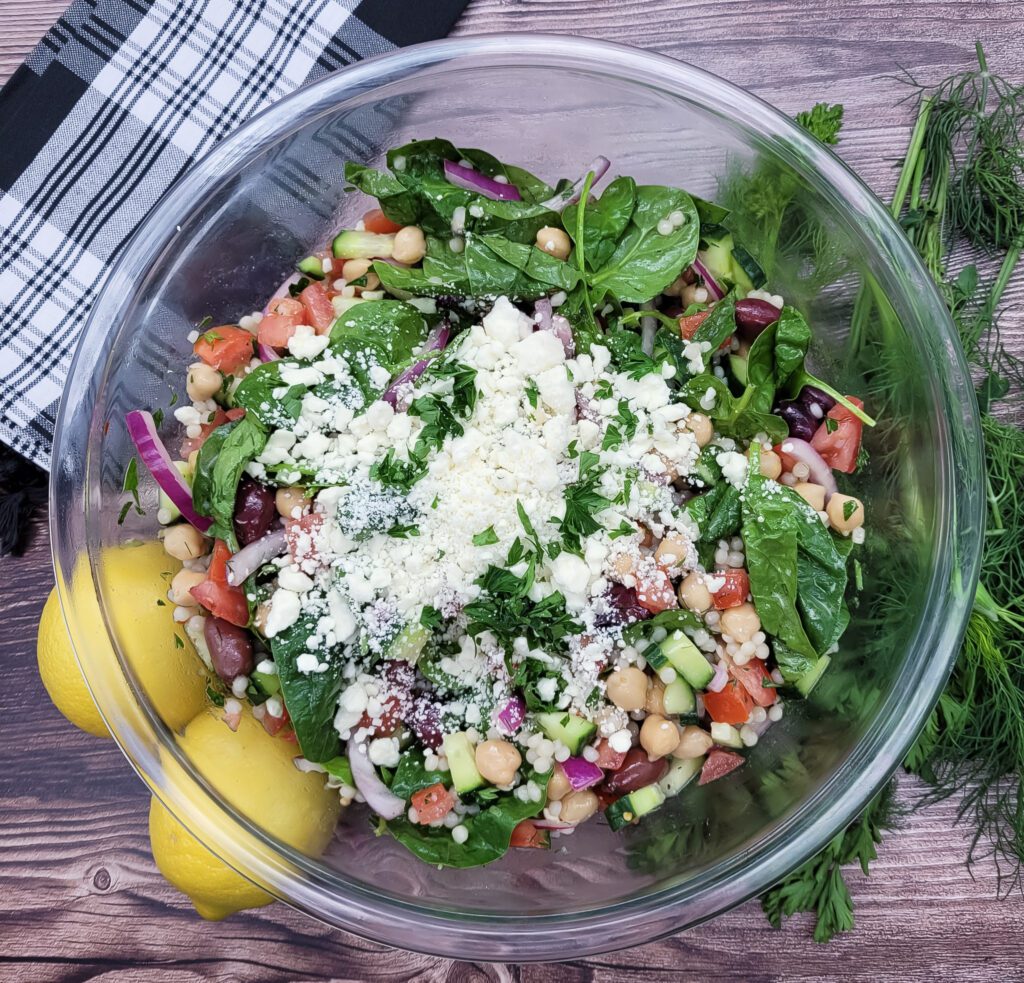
{"x":410,"y":245}
{"x":554,"y":242}
{"x":558,"y":784}
{"x":740,"y":623}
{"x":193,"y":460}
{"x":353,"y":269}
{"x":259,"y":618}
{"x":845,"y":512}
{"x":646,"y":536}
{"x":181,"y":587}
{"x":671,"y":551}
{"x":771,"y":464}
{"x":203,"y":382}
{"x":622,"y":565}
{"x":372,"y":282}
{"x":658,"y":736}
{"x":688,"y":295}
{"x":812,"y":494}
{"x":700,"y":426}
{"x":578,"y":807}
{"x":185,"y":542}
{"x":627,"y":688}
{"x":497,"y":761}
{"x":675,"y":288}
{"x":693,"y":593}
{"x":693,"y":742}
{"x":655,"y":702}
{"x":289,"y":499}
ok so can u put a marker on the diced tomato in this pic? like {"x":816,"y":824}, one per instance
{"x":432,"y":803}
{"x":227,"y":348}
{"x":219,"y":417}
{"x":654,"y":590}
{"x":688,"y":325}
{"x":302,"y":535}
{"x":787,"y":460}
{"x":718,"y":764}
{"x":840,"y":445}
{"x":319,"y":310}
{"x":608,"y":758}
{"x":731,"y":706}
{"x":283,"y":316}
{"x":376,"y":221}
{"x":289,"y":735}
{"x":753,"y":676}
{"x":527,"y":835}
{"x":735,"y":589}
{"x":216,"y":595}
{"x":274,"y":725}
{"x":388,"y":720}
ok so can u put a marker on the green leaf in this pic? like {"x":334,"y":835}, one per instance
{"x":486,"y":538}
{"x":340,"y":769}
{"x":393,"y":328}
{"x":604,"y":221}
{"x":535,"y":264}
{"x":411,"y":775}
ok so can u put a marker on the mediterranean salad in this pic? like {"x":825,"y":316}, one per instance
{"x":516,"y":507}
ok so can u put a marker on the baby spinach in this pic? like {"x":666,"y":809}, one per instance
{"x":391,"y":329}
{"x":716,"y":512}
{"x":411,"y":775}
{"x":256,"y":392}
{"x":604,"y":221}
{"x":219,"y":467}
{"x":310,"y":697}
{"x":718,"y":325}
{"x":490,"y":831}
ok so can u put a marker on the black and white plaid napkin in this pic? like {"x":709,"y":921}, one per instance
{"x":114,"y":104}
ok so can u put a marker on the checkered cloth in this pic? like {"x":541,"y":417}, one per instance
{"x":115,"y":104}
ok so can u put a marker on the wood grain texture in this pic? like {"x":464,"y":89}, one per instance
{"x":82,"y":899}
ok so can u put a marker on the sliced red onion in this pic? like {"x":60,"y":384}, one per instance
{"x":819,"y":472}
{"x":470,"y":180}
{"x":436,"y":341}
{"x":378,"y":796}
{"x":266,"y":353}
{"x":720,"y":678}
{"x":510,"y":717}
{"x":648,"y":330}
{"x":599,"y":166}
{"x":556,"y":825}
{"x":248,"y":560}
{"x":716,"y":292}
{"x":555,"y":324}
{"x":542,"y":311}
{"x":142,"y":430}
{"x":306,"y":766}
{"x":582,"y":773}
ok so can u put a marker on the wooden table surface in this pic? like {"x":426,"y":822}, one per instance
{"x":81,"y":899}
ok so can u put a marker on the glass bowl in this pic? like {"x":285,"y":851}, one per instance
{"x":233,"y":227}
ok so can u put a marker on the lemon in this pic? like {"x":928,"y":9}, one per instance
{"x":60,"y":673}
{"x":134,"y":581}
{"x":254,"y":773}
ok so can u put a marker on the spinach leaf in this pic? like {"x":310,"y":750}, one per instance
{"x":392,"y":327}
{"x":412,"y":775}
{"x":604,"y":221}
{"x":718,"y":325}
{"x":644,"y":261}
{"x":219,"y":468}
{"x":340,"y":769}
{"x":311,"y":698}
{"x":490,"y":831}
{"x":396,"y":201}
{"x":533,"y":262}
{"x":256,"y":393}
{"x":675,"y":620}
{"x":740,"y":417}
{"x":716,"y":512}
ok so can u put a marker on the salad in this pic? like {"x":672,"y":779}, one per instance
{"x":515,"y":507}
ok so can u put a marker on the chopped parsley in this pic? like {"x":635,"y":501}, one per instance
{"x":486,"y":538}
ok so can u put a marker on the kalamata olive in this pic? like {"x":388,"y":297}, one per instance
{"x":798,"y":418}
{"x":753,"y":316}
{"x":811,"y":397}
{"x":399,"y":676}
{"x":255,"y":510}
{"x":620,"y":607}
{"x":637,"y":770}
{"x":230,"y":648}
{"x":718,"y":764}
{"x":424,"y":719}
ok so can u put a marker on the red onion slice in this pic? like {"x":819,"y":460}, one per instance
{"x":436,"y":341}
{"x":819,"y":472}
{"x":716,"y":292}
{"x":266,"y":353}
{"x":378,"y":796}
{"x":510,"y":717}
{"x":599,"y":166}
{"x":556,"y":825}
{"x":720,"y":678}
{"x":582,"y":773}
{"x":470,"y":180}
{"x":248,"y":560}
{"x":555,"y":324}
{"x":142,"y":430}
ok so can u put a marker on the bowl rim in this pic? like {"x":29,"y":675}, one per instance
{"x":295,"y":879}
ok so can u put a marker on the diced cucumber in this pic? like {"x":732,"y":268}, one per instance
{"x":352,"y":244}
{"x":572,"y":730}
{"x":809,"y":679}
{"x":312,"y":266}
{"x":631,"y":807}
{"x":339,"y":769}
{"x":726,"y":735}
{"x":342,"y":304}
{"x":655,"y":657}
{"x":746,"y":268}
{"x":168,"y":509}
{"x":687,"y":660}
{"x":679,"y":698}
{"x":409,"y":642}
{"x":738,"y":367}
{"x":269,"y":683}
{"x":461,"y":755}
{"x":680,"y":775}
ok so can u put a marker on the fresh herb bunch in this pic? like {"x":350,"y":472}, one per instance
{"x":962,"y":180}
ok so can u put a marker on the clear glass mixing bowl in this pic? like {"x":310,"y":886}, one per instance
{"x":234,"y":226}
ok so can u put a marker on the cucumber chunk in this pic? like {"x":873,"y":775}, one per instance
{"x":809,"y":679}
{"x":409,"y":643}
{"x":680,"y":775}
{"x":572,"y":730}
{"x":461,"y":755}
{"x":631,"y":807}
{"x":679,"y":698}
{"x":726,"y":735}
{"x":687,"y":660}
{"x":312,"y":266}
{"x":352,"y":244}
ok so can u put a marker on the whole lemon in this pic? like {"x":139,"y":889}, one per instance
{"x":256,"y":774}
{"x":60,"y":673}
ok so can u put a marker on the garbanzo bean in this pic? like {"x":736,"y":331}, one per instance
{"x":658,"y":736}
{"x":740,"y":623}
{"x":410,"y":245}
{"x":627,"y":688}
{"x":577,"y":807}
{"x":811,"y":493}
{"x":181,"y":587}
{"x":655,"y":702}
{"x":693,"y":742}
{"x":558,"y":784}
{"x":845,"y":512}
{"x":554,"y":242}
{"x":497,"y":761}
{"x":185,"y":542}
{"x":289,"y":499}
{"x":202,"y":382}
{"x":700,"y":426}
{"x":693,"y":593}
